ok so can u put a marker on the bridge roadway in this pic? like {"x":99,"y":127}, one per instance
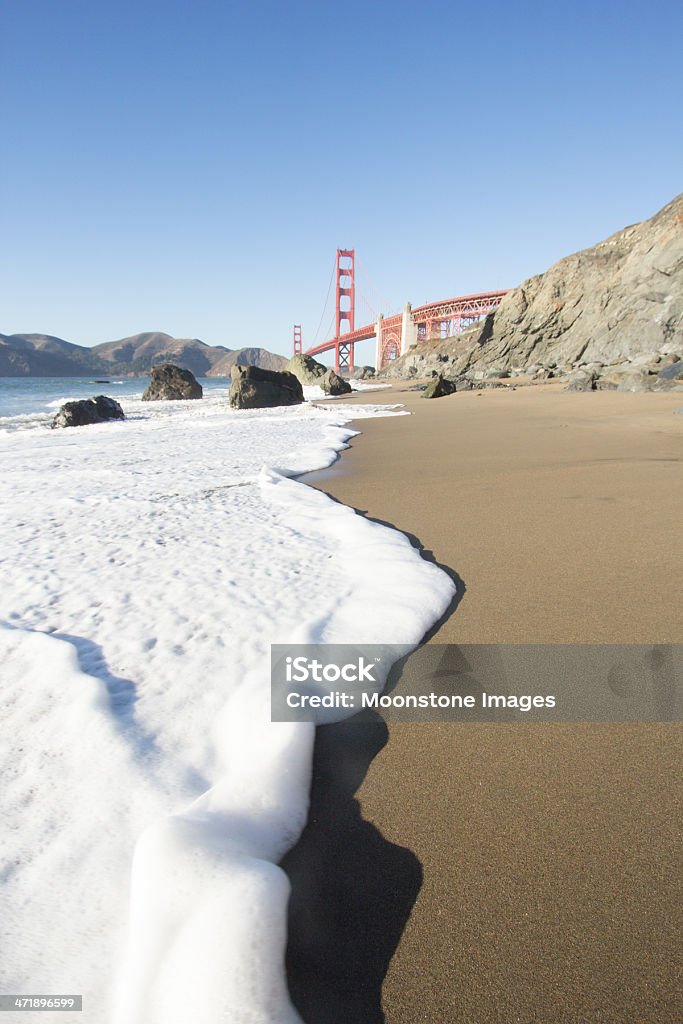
{"x":397,"y":333}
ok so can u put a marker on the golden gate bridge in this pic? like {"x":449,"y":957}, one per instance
{"x":395,"y":334}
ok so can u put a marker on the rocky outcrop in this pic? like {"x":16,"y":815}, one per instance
{"x":618,"y":305}
{"x":254,"y":388}
{"x":87,"y":411}
{"x":621,"y":300}
{"x":333,"y":384}
{"x":363,"y":372}
{"x":626,"y":377}
{"x":171,"y":383}
{"x":439,"y":387}
{"x":444,"y":356}
{"x":306,"y":368}
{"x":310,"y":372}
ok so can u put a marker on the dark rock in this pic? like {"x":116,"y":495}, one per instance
{"x":672,"y":372}
{"x":333,"y":384}
{"x":254,"y":388}
{"x":108,"y":408}
{"x":171,"y":383}
{"x":439,"y":388}
{"x":87,"y":411}
{"x":306,"y":369}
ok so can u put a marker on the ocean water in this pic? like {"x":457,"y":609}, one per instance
{"x":41,"y":396}
{"x":31,"y":401}
{"x":146,"y":798}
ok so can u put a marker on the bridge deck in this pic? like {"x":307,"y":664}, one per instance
{"x":462,"y":305}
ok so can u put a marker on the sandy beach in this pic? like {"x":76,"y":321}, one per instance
{"x":494,"y":873}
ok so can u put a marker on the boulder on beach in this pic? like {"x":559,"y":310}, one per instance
{"x":333,"y":384}
{"x":254,"y":388}
{"x":306,"y":369}
{"x":439,"y":387}
{"x":171,"y":383}
{"x":88,"y":410}
{"x":363,"y":372}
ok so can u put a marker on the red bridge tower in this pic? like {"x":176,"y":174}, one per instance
{"x":297,"y":340}
{"x":346,"y":289}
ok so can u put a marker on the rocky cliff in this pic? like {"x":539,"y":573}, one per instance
{"x":619,"y":303}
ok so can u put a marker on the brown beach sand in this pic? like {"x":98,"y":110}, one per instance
{"x":498,"y":873}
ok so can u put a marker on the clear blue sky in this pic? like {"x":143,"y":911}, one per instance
{"x":190,"y":166}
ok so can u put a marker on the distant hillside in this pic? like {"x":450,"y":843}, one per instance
{"x":617,"y":303}
{"x":248,"y":357}
{"x":142,"y":351}
{"x":40,"y":355}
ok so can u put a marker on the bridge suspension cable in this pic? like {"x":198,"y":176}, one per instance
{"x":367,"y":302}
{"x":329,"y":333}
{"x":388,"y":306}
{"x":395,"y":332}
{"x":327,"y":299}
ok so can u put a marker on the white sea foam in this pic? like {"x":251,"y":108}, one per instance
{"x":56,"y":403}
{"x":313,"y":392}
{"x":148,"y":566}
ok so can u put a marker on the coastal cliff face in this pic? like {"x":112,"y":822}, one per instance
{"x":41,"y":355}
{"x":619,"y":302}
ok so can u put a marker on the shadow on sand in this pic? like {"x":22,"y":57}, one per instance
{"x":352,"y":890}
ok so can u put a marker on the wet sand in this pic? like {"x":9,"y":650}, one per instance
{"x":495,"y":873}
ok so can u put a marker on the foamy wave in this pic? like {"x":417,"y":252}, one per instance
{"x":145,"y":591}
{"x":27,"y":421}
{"x":58,"y":402}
